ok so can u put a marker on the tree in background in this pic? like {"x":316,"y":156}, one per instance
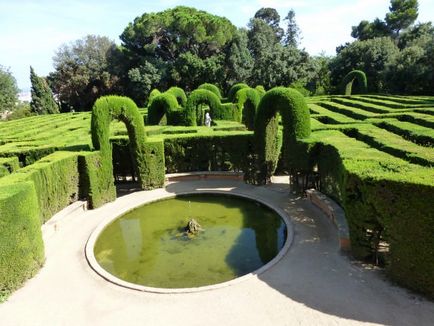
{"x":82,"y":72}
{"x":292,"y":35}
{"x":411,"y":71}
{"x":271,"y":17}
{"x":367,"y":30}
{"x":239,"y":61}
{"x":42,"y":98}
{"x":8,"y":90}
{"x":371,"y":56}
{"x":186,"y":46}
{"x":274,"y":63}
{"x":402,"y":14}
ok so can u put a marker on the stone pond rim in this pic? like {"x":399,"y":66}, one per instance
{"x":90,"y":256}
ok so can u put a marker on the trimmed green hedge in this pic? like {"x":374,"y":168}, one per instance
{"x":161,"y":108}
{"x":247,"y":100}
{"x":21,"y":244}
{"x":212,"y":88}
{"x":104,"y":110}
{"x":8,"y":165}
{"x":357,"y":76}
{"x":385,"y":199}
{"x":209,"y":153}
{"x":179,"y":94}
{"x":234,"y":89}
{"x":296,"y":125}
{"x":194,"y":114}
{"x":261,"y":90}
{"x":56,"y":181}
{"x":96,"y":179}
{"x":154,"y":156}
{"x":155,"y":92}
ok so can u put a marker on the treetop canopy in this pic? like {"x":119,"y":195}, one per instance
{"x":169,"y":33}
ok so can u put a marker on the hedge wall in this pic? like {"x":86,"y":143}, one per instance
{"x":56,"y":181}
{"x":96,"y":179}
{"x":357,"y":76}
{"x":8,"y":165}
{"x":21,"y":245}
{"x":385,"y":199}
{"x":209,"y":153}
{"x":296,"y":125}
{"x":212,"y":88}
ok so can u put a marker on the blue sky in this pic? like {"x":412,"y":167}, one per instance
{"x":31,"y":31}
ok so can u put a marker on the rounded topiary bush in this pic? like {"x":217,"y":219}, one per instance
{"x":355,"y":78}
{"x":211,"y":87}
{"x":296,"y":125}
{"x":247,"y":100}
{"x":161,"y":109}
{"x":179,"y":95}
{"x":234,"y":89}
{"x":193,"y":112}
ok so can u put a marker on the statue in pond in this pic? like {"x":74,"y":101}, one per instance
{"x":191,"y":230}
{"x":193,"y":227}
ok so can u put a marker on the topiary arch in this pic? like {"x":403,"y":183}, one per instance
{"x":193,"y":112}
{"x":247,"y":100}
{"x":211,"y":87}
{"x":296,"y":125}
{"x":179,"y":95}
{"x":357,"y":76}
{"x":161,"y":108}
{"x":106,"y":109}
{"x":234,"y":89}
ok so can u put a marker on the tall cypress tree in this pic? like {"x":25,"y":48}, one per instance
{"x":42,"y":98}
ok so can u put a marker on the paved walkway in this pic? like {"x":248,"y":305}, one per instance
{"x":312,"y":285}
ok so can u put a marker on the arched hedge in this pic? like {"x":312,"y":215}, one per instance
{"x":234,"y":89}
{"x":155,"y":92}
{"x":296,"y":125}
{"x":193,"y":112}
{"x":161,"y":109}
{"x":106,"y":109}
{"x":261,"y":90}
{"x":357,"y":76}
{"x":211,"y":87}
{"x":247,"y":100}
{"x":179,"y":95}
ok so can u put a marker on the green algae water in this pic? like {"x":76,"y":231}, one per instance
{"x":148,"y":245}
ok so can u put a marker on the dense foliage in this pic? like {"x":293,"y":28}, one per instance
{"x":42,"y":97}
{"x":82,"y":72}
{"x":8,"y":90}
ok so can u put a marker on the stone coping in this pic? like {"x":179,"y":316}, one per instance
{"x":204,"y":175}
{"x":335,"y":213}
{"x":233,"y":192}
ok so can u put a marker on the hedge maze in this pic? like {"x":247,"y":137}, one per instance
{"x":372,"y":153}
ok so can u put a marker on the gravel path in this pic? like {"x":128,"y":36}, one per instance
{"x":314,"y":284}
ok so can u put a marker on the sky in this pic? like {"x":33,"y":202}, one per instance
{"x":32,"y":31}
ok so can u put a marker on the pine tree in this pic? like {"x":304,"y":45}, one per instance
{"x":42,"y":98}
{"x":293,"y":31}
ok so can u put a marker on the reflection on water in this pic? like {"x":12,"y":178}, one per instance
{"x":146,"y":246}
